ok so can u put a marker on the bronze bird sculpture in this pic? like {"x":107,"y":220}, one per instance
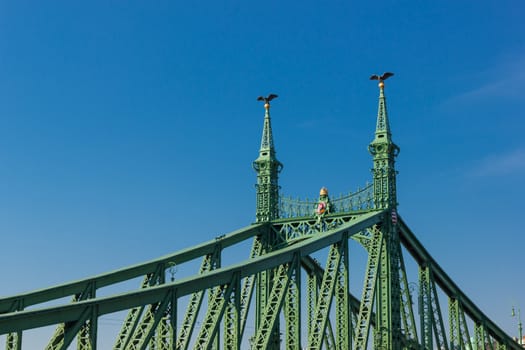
{"x":381,"y":78}
{"x":267,"y":99}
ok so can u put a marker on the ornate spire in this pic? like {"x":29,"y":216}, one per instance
{"x":267,"y":167}
{"x":267,"y":137}
{"x":384,"y":151}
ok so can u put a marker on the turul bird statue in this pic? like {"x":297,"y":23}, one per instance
{"x":381,"y":78}
{"x":267,"y":99}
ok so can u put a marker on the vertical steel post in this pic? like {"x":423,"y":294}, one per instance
{"x":384,"y":151}
{"x":267,"y":209}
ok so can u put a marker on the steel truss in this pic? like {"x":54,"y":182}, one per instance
{"x":220,"y":297}
{"x":152,"y":319}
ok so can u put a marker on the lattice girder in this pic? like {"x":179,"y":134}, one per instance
{"x":407,"y":312}
{"x":62,"y":336}
{"x":425,"y":308}
{"x":146,"y":329}
{"x":387,"y":333}
{"x":326,"y":293}
{"x":249,"y":285}
{"x":232,"y":319}
{"x":273,"y":307}
{"x":482,"y":337}
{"x":194,"y":304}
{"x":342,"y":297}
{"x":289,"y":230}
{"x":132,"y":318}
{"x":437,"y":317}
{"x":292,"y":309}
{"x":216,"y":308}
{"x":14,"y":341}
{"x":459,"y":336}
{"x":369,"y":289}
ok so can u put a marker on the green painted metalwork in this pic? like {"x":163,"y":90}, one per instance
{"x":194,"y":305}
{"x":425,"y":308}
{"x":87,"y":336}
{"x":232,"y":326}
{"x":360,"y":200}
{"x":387,"y":298}
{"x":265,"y":284}
{"x":369,"y":290}
{"x":289,"y":230}
{"x":292,"y":309}
{"x":164,"y":331}
{"x":264,"y":334}
{"x":268,"y":168}
{"x":65,"y":333}
{"x":482,"y":338}
{"x":409,"y":332}
{"x":343,"y":319}
{"x":311,"y":297}
{"x":315,"y":277}
{"x":459,"y":334}
{"x":133,"y":318}
{"x":267,"y":209}
{"x":326,"y":293}
{"x":456,"y":340}
{"x":286,"y":232}
{"x":217,"y":306}
{"x":384,"y":151}
{"x":14,"y":341}
{"x":145,"y":332}
{"x":249,"y":285}
{"x":437,"y":318}
{"x":387,"y":334}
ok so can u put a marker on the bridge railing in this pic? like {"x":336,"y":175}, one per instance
{"x":362,"y":199}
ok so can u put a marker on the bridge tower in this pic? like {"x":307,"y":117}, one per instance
{"x":268,"y":168}
{"x":267,"y":209}
{"x":285,"y":239}
{"x":388,"y":298}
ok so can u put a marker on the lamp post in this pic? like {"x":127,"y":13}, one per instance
{"x":520,"y":329}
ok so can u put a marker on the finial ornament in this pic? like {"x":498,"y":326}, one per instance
{"x":381,"y":78}
{"x":267,"y":100}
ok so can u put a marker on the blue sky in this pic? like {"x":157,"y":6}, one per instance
{"x":127,"y":129}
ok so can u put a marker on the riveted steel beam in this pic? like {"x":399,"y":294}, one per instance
{"x":326,"y":293}
{"x":71,"y":312}
{"x":440,"y":278}
{"x":369,"y":289}
{"x":128,"y":273}
{"x":273,"y":307}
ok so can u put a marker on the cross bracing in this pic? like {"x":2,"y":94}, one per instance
{"x":281,"y":295}
{"x":160,"y":296}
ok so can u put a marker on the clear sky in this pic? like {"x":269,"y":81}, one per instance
{"x":127,"y":129}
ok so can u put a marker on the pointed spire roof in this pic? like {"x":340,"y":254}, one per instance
{"x":383,"y":126}
{"x":267,"y":150}
{"x":267,"y":136}
{"x":383,"y":134}
{"x":268,"y":168}
{"x":384,"y":151}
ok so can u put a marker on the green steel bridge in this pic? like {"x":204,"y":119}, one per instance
{"x":280,"y":296}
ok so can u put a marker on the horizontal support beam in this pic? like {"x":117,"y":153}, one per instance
{"x":113,"y":277}
{"x":15,"y":321}
{"x":313,"y":217}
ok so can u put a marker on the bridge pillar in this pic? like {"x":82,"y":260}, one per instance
{"x":387,"y":334}
{"x":267,"y":209}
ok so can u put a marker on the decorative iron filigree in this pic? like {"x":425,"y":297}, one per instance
{"x":362,"y":199}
